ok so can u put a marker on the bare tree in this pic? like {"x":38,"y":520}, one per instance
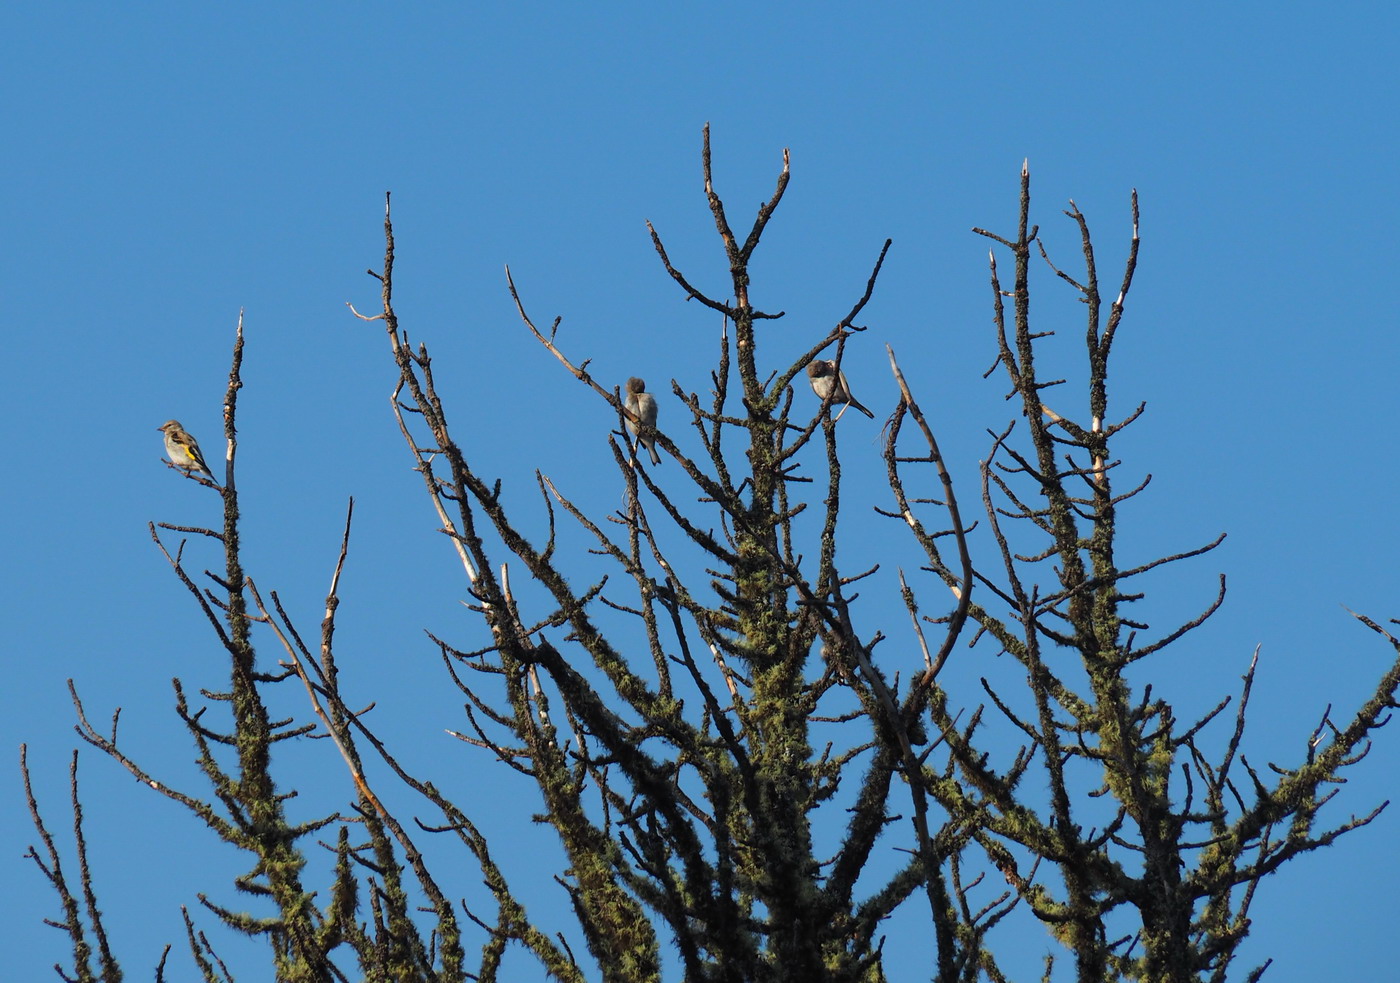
{"x":684,"y":782}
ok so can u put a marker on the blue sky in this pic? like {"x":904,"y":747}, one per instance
{"x":168,"y":164}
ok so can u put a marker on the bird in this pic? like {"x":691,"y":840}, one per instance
{"x":642,"y":405}
{"x":824,"y":375}
{"x":183,"y":449}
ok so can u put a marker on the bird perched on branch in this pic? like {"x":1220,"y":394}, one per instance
{"x":642,"y":405}
{"x":824,"y":376}
{"x":183,"y":449}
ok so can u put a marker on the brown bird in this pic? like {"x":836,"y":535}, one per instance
{"x":824,"y":378}
{"x":642,"y":405}
{"x":183,"y":449}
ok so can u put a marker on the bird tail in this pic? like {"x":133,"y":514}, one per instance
{"x":862,"y":408}
{"x":655,"y":457}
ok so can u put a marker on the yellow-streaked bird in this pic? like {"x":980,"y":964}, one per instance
{"x":642,"y":405}
{"x":183,"y":449}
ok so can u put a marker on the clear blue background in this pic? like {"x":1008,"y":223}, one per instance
{"x":168,"y":164}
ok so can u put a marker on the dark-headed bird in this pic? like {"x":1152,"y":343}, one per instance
{"x":642,"y":405}
{"x":825,"y":377}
